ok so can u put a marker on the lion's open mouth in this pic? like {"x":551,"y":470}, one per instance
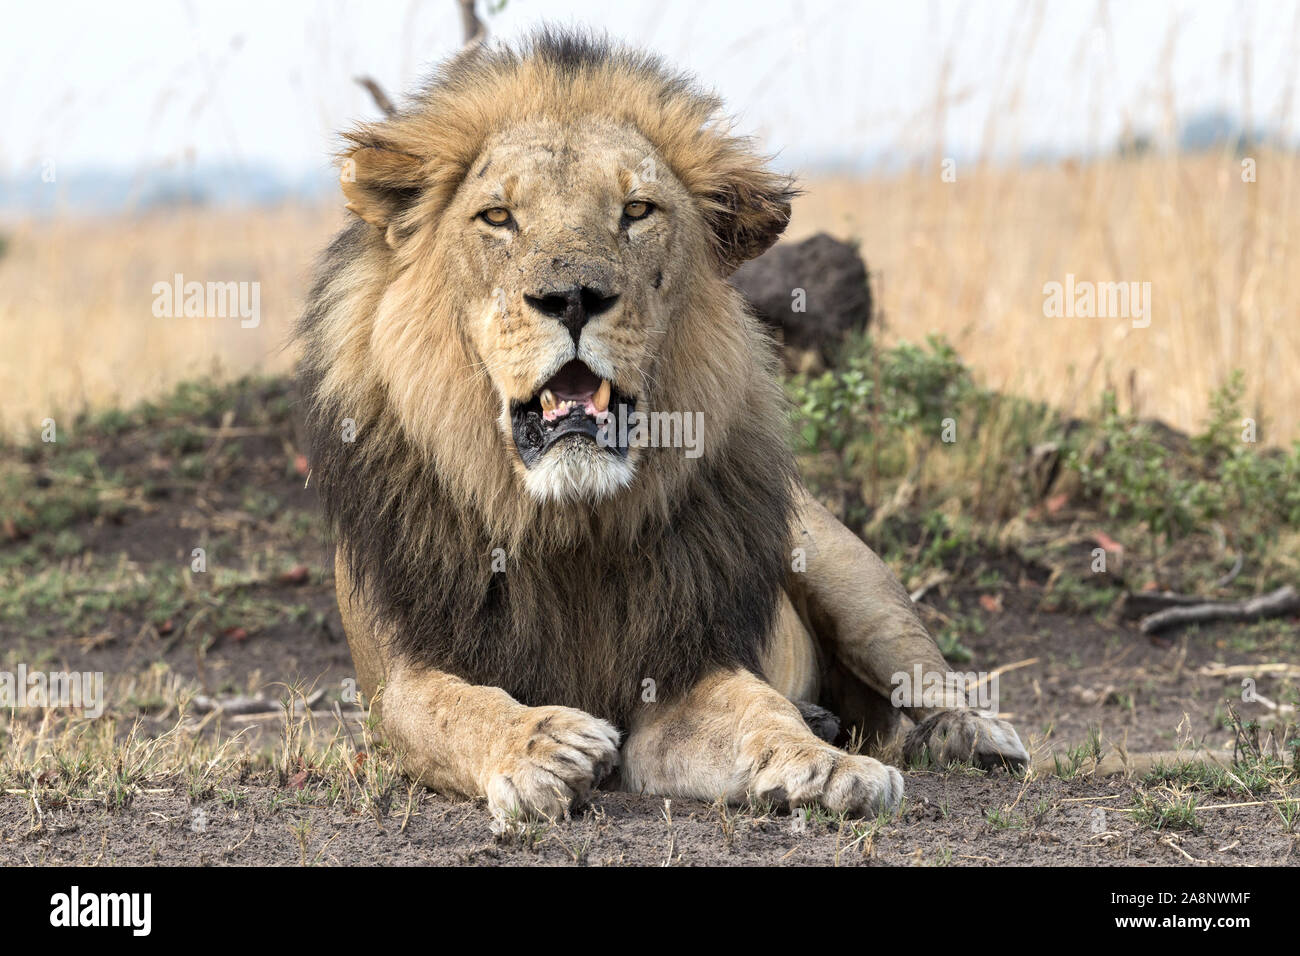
{"x":575,"y":401}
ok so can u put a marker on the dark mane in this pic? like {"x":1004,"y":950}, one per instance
{"x":585,"y":625}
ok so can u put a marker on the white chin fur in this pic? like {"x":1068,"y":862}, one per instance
{"x":578,"y":472}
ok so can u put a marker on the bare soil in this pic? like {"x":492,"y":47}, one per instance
{"x":944,"y":822}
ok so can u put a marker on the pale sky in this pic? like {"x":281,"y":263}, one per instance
{"x":91,"y":84}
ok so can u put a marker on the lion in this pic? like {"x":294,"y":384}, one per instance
{"x":537,"y":600}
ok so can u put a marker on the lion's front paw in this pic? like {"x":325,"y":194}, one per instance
{"x":553,"y":758}
{"x":799,"y":774}
{"x":963,"y":736}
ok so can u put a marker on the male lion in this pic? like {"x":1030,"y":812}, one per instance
{"x":540,"y":254}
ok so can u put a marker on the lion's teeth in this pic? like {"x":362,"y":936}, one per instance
{"x":601,"y":401}
{"x":547,"y":398}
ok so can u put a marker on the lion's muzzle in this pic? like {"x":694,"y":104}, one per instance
{"x":575,"y":404}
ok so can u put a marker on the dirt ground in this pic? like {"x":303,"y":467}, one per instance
{"x":955,"y":818}
{"x":113,"y":590}
{"x":943,"y":823}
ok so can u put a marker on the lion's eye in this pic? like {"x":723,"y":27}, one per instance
{"x":496,"y":216}
{"x":638,"y":210}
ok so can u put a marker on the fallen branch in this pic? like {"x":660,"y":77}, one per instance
{"x":314,"y":715}
{"x":933,"y":580}
{"x":1141,"y":603}
{"x":1141,"y":764}
{"x":999,"y":671}
{"x":1134,"y":764}
{"x":202,"y":704}
{"x":1285,"y":600}
{"x":243,"y":705}
{"x":1277,"y":669}
{"x":1218,"y":806}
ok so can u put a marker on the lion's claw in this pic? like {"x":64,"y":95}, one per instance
{"x":556,"y":757}
{"x":797,"y":775}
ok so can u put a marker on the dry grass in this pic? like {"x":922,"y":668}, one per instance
{"x":77,"y":327}
{"x":968,"y":259}
{"x":51,"y":758}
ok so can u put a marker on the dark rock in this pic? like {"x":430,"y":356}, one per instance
{"x":836,"y":297}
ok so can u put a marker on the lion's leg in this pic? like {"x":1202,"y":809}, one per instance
{"x":478,"y":741}
{"x":733,"y":736}
{"x":862,"y":615}
{"x":792,"y":663}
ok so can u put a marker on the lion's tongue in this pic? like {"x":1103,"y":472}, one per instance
{"x":575,"y":386}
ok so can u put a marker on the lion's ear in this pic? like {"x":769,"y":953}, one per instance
{"x":747,"y":211}
{"x":379,"y":184}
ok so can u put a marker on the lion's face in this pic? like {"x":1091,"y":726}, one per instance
{"x":572,"y":243}
{"x":552,"y":233}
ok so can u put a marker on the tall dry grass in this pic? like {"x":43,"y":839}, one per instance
{"x":77,"y":328}
{"x":967,"y":258}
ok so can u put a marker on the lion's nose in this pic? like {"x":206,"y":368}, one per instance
{"x":573,"y":307}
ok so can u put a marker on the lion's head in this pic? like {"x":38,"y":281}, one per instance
{"x":542,"y":244}
{"x":561,"y":220}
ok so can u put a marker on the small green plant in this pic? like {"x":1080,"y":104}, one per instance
{"x":950,"y":645}
{"x":1042,"y":808}
{"x":876,"y":395}
{"x":1077,"y":758}
{"x":1166,"y":809}
{"x":1001,"y":819}
{"x":942,"y":858}
{"x":1135,"y":476}
{"x":1288,"y":808}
